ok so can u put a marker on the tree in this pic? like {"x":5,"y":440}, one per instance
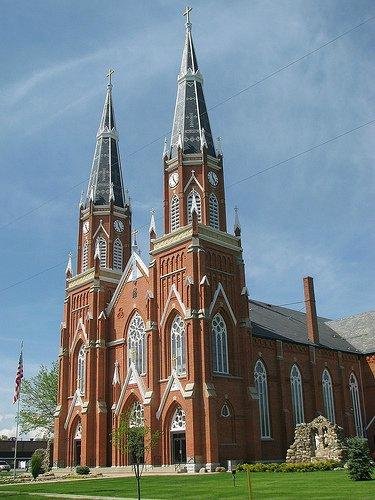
{"x":359,"y":459}
{"x":38,"y":401}
{"x":136,"y":441}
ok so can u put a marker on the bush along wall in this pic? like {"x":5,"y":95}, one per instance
{"x":292,"y":467}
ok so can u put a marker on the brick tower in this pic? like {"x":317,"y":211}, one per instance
{"x":103,"y":248}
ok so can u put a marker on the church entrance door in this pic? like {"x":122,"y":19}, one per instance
{"x":179,"y":447}
{"x":77,"y":444}
{"x":77,"y":452}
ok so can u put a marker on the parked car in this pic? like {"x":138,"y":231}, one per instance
{"x":4,"y":465}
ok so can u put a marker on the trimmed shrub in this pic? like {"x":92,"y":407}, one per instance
{"x":82,"y":470}
{"x":359,"y":459}
{"x":36,"y":464}
{"x":291,"y":467}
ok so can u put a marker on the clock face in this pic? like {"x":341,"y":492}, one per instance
{"x":173,"y":180}
{"x":213,"y":178}
{"x":119,"y":226}
{"x":86,"y":227}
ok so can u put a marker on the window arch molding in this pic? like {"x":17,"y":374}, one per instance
{"x":328,"y":399}
{"x":297,"y":394}
{"x":137,"y":342}
{"x":261,"y":383}
{"x":356,"y":404}
{"x":219,"y":342}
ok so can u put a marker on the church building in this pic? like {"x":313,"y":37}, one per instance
{"x":175,"y":338}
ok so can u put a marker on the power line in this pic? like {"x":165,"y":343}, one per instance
{"x":220,"y":103}
{"x":301,"y":153}
{"x":316,"y":146}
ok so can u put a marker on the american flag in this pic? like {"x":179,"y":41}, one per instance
{"x":19,"y":377}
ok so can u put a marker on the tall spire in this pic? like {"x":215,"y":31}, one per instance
{"x":105,"y":184}
{"x":190,"y":116}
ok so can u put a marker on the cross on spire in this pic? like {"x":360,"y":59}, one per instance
{"x":109,"y":76}
{"x":187,"y":14}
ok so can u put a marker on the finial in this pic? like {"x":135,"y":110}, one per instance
{"x":109,"y":76}
{"x":69,"y":267}
{"x":179,"y":142}
{"x":135,"y":243}
{"x":82,"y":200}
{"x":152,"y":222}
{"x":116,"y":375}
{"x":194,"y":206}
{"x":165,"y":150}
{"x":203,"y":139}
{"x":219,"y":146}
{"x":187,"y":14}
{"x":92,"y":193}
{"x":97,"y":251}
{"x":237,"y":225}
{"x":111,"y":193}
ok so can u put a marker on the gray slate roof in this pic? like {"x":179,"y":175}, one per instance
{"x":106,"y":176}
{"x":190,"y":116}
{"x":359,"y":330}
{"x":280,"y":323}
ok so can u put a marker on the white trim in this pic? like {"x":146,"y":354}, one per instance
{"x":133,"y":375}
{"x":205,"y":281}
{"x":100,"y":227}
{"x":172,"y":291}
{"x":174,"y":381}
{"x":193,"y":178}
{"x":124,"y":278}
{"x":80,"y":327}
{"x":221,"y":290}
{"x":76,"y":401}
{"x":370,"y":423}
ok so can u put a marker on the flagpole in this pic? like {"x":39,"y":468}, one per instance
{"x":17,"y":425}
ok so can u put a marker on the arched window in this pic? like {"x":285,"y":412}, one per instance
{"x":354,"y":393}
{"x":297,"y":395}
{"x":85,"y":256}
{"x":175,"y":213}
{"x":213,"y":208}
{"x":219,"y":344}
{"x":137,"y":415}
{"x":81,"y":370}
{"x":102,"y":244}
{"x":117,"y":255}
{"x":178,"y":349}
{"x":329,"y":405}
{"x":190,"y":202}
{"x":178,"y":420}
{"x":137,"y":343}
{"x":260,"y":379}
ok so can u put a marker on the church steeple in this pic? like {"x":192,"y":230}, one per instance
{"x":191,"y":120}
{"x":105,"y":184}
{"x":193,"y":172}
{"x":105,"y":214}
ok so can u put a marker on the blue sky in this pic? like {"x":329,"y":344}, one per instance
{"x":313,"y":215}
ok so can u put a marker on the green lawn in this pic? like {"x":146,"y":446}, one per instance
{"x":297,"y":485}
